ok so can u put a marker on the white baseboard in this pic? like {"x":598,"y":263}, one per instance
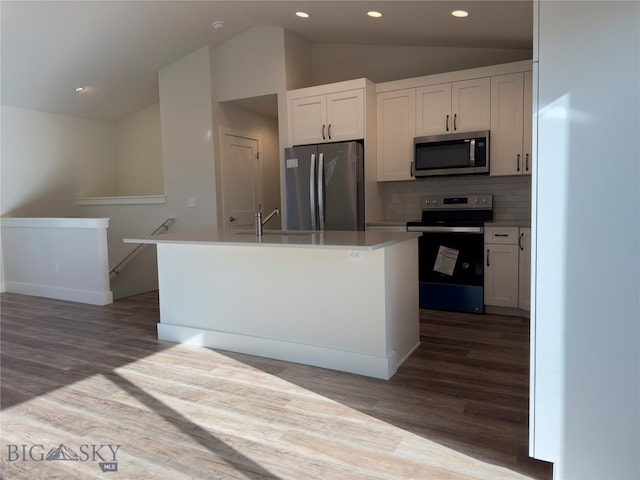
{"x":72,"y":295}
{"x":317,"y":356}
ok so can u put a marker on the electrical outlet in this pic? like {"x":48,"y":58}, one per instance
{"x":394,"y":198}
{"x":191,"y":202}
{"x":355,"y":255}
{"x":55,"y":267}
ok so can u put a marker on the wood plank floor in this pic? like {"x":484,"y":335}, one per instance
{"x":85,"y":376}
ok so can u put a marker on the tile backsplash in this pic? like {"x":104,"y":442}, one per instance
{"x":511,"y":195}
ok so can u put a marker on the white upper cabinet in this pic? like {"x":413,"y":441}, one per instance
{"x":433,"y":110}
{"x":345,"y":115}
{"x":396,"y":127}
{"x":511,"y":112}
{"x":309,"y":118}
{"x":463,"y":106}
{"x":329,"y":117}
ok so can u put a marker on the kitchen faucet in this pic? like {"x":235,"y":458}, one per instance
{"x":260,"y":223}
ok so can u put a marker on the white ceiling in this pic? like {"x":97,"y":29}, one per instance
{"x":116,"y":48}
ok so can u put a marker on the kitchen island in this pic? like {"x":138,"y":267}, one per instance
{"x":346,"y":301}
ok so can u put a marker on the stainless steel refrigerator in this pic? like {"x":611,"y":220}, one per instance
{"x":325,"y":187}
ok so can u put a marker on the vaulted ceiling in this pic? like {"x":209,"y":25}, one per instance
{"x":50,"y":47}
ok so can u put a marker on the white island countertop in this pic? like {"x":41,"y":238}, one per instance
{"x":356,"y":240}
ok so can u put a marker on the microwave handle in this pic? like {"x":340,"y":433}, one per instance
{"x":412,"y":170}
{"x":472,"y":152}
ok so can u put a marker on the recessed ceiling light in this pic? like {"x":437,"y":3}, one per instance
{"x":374,"y":14}
{"x":302,"y":14}
{"x":79,"y":89}
{"x":217,"y":24}
{"x":460,"y":13}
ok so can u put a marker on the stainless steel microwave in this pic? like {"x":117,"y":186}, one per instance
{"x":451,"y":154}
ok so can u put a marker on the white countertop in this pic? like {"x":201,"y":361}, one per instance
{"x":355,"y":240}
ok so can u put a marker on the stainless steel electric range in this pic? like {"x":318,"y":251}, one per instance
{"x":451,"y":270}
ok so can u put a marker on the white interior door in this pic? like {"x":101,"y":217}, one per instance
{"x":241,"y":179}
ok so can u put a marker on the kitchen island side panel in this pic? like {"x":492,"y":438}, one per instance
{"x":323,"y":307}
{"x":402,"y":299}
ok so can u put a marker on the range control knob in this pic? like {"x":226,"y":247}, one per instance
{"x":477,"y":200}
{"x":428,"y":202}
{"x":435,"y":202}
{"x":484,"y":200}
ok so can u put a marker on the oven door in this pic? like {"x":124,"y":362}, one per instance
{"x":451,"y":270}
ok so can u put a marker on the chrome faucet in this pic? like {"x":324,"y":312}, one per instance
{"x":260,"y":223}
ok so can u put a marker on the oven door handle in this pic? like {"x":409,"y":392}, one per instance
{"x":443,"y":229}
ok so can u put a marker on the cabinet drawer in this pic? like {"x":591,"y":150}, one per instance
{"x":503,"y":235}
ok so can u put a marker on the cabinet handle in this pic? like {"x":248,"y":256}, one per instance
{"x":455,"y":123}
{"x":488,"y":258}
{"x":329,"y":131}
{"x":323,"y":137}
{"x":520,"y":241}
{"x":526,"y":162}
{"x":518,"y":163}
{"x":446,"y":123}
{"x":500,"y":234}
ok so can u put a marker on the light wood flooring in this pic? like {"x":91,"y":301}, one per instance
{"x":84,"y":376}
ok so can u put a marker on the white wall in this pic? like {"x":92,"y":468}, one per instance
{"x":63,"y":258}
{"x":140,"y":273}
{"x":253,"y":64}
{"x":139,"y":153}
{"x":383,"y":63}
{"x":49,"y":160}
{"x":297,"y":59}
{"x":187,"y":141}
{"x":586,"y":237}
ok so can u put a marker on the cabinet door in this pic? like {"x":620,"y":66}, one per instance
{"x":308,"y":117}
{"x":527,"y":119}
{"x":345,"y":116}
{"x":396,"y":127}
{"x":471,"y":105}
{"x":433,"y":110}
{"x":507,"y":93}
{"x":524,"y":269}
{"x":501,"y":275}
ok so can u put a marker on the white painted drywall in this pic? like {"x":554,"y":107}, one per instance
{"x":63,"y":258}
{"x":253,"y":64}
{"x":187,"y":140}
{"x":297,"y":61}
{"x":139,"y":153}
{"x":50,"y":160}
{"x":382,"y":63}
{"x":586,"y":226}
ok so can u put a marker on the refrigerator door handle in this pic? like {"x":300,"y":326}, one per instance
{"x":312,"y":191}
{"x":320,"y":190}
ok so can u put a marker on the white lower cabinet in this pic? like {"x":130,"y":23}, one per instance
{"x":507,"y":267}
